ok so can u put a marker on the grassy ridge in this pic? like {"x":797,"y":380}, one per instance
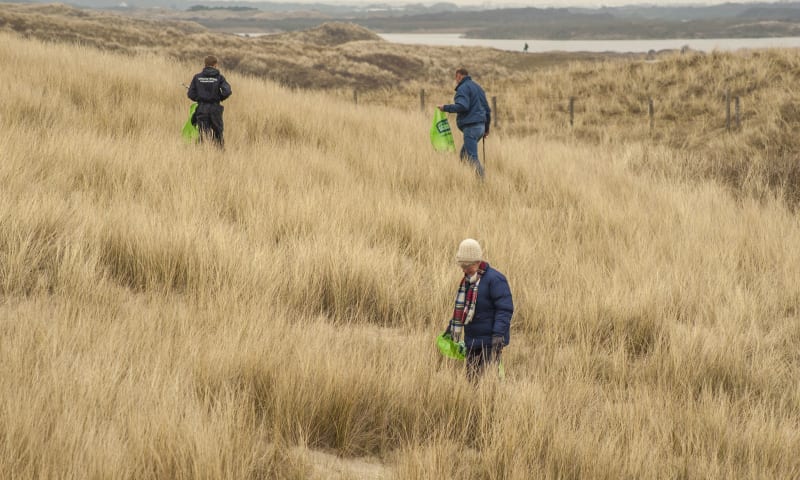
{"x":330,"y":56}
{"x":172,"y":311}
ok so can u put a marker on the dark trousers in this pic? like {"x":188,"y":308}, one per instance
{"x":479,"y":359}
{"x":209,"y":122}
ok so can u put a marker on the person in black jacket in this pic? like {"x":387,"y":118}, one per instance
{"x":209,"y":88}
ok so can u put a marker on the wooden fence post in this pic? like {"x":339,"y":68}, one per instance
{"x":571,"y":110}
{"x":738,"y":118}
{"x":422,"y":99}
{"x":494,"y":110}
{"x":728,"y":109}
{"x":355,"y":96}
{"x":651,"y":112}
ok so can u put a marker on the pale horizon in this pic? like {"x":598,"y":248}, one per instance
{"x":492,"y":4}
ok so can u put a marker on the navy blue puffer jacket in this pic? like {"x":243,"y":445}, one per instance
{"x":492,"y":312}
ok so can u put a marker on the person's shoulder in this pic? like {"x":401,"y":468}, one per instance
{"x":498,"y":275}
{"x":473,"y":85}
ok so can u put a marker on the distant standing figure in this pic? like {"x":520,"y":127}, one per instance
{"x":209,"y":88}
{"x":473,"y":116}
{"x":481,"y":320}
{"x":525,"y":48}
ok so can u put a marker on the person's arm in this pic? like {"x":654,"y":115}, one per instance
{"x":460,"y":103}
{"x":192,"y":92}
{"x":503,"y":307}
{"x":224,"y":88}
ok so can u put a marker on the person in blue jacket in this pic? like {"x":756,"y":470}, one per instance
{"x":473,"y":116}
{"x":483,"y":309}
{"x":209,"y":88}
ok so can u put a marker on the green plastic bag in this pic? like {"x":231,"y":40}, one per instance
{"x":448,"y":347}
{"x":190,"y":132}
{"x":441,"y":135}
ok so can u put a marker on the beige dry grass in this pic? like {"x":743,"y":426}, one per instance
{"x":611,"y":92}
{"x":171,"y":311}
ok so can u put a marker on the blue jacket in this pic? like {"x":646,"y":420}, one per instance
{"x":470,"y":104}
{"x":492,"y":312}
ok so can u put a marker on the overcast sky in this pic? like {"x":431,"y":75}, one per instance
{"x":547,"y":3}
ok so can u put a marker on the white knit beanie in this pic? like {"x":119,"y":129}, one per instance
{"x":469,"y":251}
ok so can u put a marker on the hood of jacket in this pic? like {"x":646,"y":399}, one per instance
{"x":210,"y":72}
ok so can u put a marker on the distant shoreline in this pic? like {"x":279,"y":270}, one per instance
{"x":616,"y":46}
{"x":595,"y":46}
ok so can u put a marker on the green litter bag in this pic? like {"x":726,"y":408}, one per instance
{"x":448,"y":347}
{"x":441,"y":135}
{"x":190,"y":132}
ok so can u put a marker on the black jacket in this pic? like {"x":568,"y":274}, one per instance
{"x":209,"y":86}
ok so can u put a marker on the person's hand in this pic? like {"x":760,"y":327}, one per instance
{"x":440,"y":107}
{"x":497,"y":343}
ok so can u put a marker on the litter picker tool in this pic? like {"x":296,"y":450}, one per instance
{"x":483,"y":140}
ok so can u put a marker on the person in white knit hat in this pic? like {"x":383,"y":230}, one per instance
{"x":481,"y":318}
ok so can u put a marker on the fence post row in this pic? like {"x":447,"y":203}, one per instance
{"x":650,"y":109}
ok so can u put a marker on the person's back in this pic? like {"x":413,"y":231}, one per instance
{"x":209,"y":88}
{"x":473,"y":98}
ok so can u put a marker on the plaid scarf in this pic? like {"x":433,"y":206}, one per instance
{"x":466,"y":298}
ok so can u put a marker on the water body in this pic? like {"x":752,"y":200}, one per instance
{"x":619,"y":46}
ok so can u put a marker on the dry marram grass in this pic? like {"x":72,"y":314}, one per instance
{"x":172,"y":311}
{"x":611,"y":93}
